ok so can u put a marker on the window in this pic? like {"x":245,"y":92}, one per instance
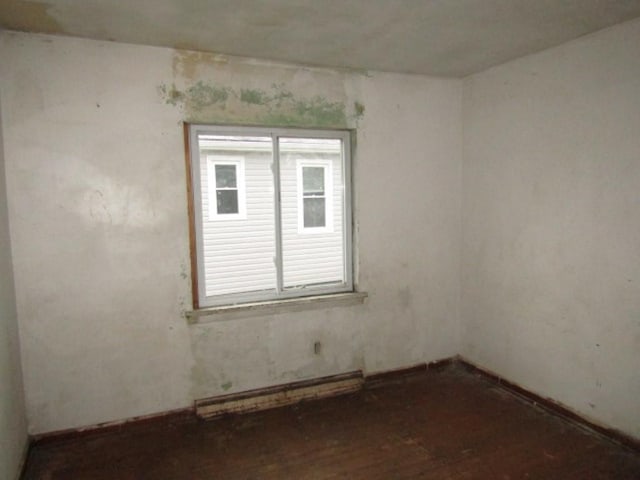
{"x":315,"y":194}
{"x":225,"y":175}
{"x":271,"y":213}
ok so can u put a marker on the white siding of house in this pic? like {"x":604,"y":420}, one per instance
{"x":239,"y":253}
{"x":311,"y":257}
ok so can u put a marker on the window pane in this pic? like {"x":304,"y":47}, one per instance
{"x":227,"y":201}
{"x":226,"y":176}
{"x":314,"y":212}
{"x":313,"y":180}
{"x":312,"y":258}
{"x":237,"y":253}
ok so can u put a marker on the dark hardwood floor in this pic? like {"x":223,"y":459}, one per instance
{"x":442,"y":424}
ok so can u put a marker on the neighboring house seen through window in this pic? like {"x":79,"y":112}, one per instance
{"x":271,"y":213}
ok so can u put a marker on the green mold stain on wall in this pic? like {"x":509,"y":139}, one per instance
{"x":203,"y":95}
{"x":208,"y":102}
{"x":254,"y":97}
{"x":198,"y":96}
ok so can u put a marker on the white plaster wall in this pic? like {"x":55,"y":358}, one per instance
{"x":551,"y":224}
{"x":97,"y":203}
{"x":13,"y":425}
{"x":407,"y":182}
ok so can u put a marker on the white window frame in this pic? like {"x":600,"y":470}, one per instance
{"x":200,"y":299}
{"x":326,"y":165}
{"x":212,"y":161}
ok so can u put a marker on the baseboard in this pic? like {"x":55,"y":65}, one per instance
{"x":324,"y":387}
{"x":390,"y":376}
{"x":291,"y":393}
{"x":168,"y":417}
{"x":280,"y":395}
{"x":554,"y":407}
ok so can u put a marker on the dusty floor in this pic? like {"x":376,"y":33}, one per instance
{"x":444,"y":424}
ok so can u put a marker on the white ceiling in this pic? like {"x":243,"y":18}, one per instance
{"x":435,"y":37}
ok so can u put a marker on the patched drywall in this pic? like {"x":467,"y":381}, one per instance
{"x":551,"y":257}
{"x":13,"y":425}
{"x":96,"y":178}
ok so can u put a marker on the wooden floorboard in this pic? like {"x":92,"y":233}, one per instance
{"x":438,"y":424}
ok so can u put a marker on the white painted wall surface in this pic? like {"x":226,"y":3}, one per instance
{"x":551,"y":187}
{"x":96,"y":181}
{"x":13,"y":425}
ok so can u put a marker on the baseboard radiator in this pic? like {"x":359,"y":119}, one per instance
{"x":280,"y":395}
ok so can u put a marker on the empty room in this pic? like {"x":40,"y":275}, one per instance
{"x":308,"y":239}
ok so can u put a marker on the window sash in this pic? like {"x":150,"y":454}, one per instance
{"x":327,"y":195}
{"x":200,"y":298}
{"x":212,"y":162}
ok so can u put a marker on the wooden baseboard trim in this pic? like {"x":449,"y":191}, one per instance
{"x":287,"y":394}
{"x":168,"y":417}
{"x":297,"y":391}
{"x":553,"y":407}
{"x":279,"y":395}
{"x":189,"y":414}
{"x":390,"y":376}
{"x":324,"y":387}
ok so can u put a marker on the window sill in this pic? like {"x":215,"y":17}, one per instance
{"x":230,"y":312}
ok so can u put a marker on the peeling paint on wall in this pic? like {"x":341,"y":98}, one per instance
{"x":212,"y":102}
